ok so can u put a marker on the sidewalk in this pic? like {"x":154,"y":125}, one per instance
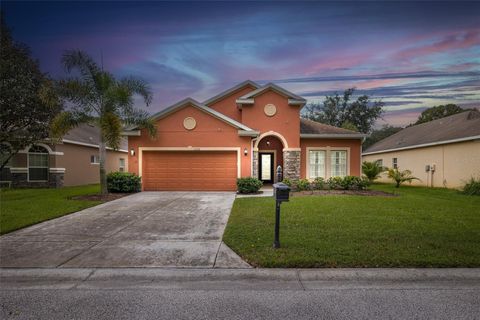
{"x":238,"y":279}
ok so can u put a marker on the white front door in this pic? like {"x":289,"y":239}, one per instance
{"x":266,"y":160}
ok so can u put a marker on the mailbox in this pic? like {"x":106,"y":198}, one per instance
{"x":282,"y":192}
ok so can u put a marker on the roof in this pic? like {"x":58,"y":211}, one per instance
{"x":313,"y":129}
{"x":230,"y":91}
{"x":458,"y":127}
{"x":193,"y":102}
{"x":89,"y":135}
{"x":292,"y":97}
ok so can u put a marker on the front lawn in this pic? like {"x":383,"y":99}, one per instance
{"x":421,"y":227}
{"x":23,"y":207}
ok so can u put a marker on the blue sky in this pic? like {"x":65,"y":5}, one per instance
{"x":412,"y":55}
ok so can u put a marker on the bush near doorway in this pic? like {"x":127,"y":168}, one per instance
{"x":249,"y":185}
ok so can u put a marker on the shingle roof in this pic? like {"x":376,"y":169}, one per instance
{"x":230,"y":90}
{"x":89,"y":134}
{"x":459,"y":126}
{"x":313,"y":128}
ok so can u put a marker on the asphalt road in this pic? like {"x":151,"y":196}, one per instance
{"x":240,"y":294}
{"x":220,"y":304}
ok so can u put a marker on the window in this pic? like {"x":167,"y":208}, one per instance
{"x":37,"y":164}
{"x":379,"y":162}
{"x":316,"y":164}
{"x":338,"y":163}
{"x":94,"y":159}
{"x":122,"y":165}
{"x":394,"y":163}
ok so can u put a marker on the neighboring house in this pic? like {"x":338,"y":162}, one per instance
{"x":442,"y":153}
{"x":73,"y":161}
{"x":247,"y":130}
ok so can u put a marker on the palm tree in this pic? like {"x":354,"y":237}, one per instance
{"x":372,"y":170}
{"x":401,"y":176}
{"x":95,"y":96}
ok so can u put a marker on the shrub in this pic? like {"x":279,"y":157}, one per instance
{"x":335,"y":183}
{"x":319,"y":183}
{"x":472,"y":187}
{"x":354,"y":183}
{"x":400,"y":177}
{"x":303,"y":184}
{"x":248,"y":185}
{"x":372,"y":170}
{"x":123,"y":182}
{"x":287,"y":181}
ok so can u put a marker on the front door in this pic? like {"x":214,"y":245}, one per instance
{"x":266,"y":167}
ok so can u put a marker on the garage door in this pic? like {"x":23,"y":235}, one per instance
{"x":189,"y":170}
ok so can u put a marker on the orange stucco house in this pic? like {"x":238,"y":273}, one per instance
{"x":247,"y":130}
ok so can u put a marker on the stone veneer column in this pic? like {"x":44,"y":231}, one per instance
{"x":255,"y":164}
{"x":291,"y":164}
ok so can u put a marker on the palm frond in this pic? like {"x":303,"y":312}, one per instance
{"x":138,"y":86}
{"x":111,"y":127}
{"x":77,"y":92}
{"x":77,"y":59}
{"x":65,"y":121}
{"x":140,"y":119}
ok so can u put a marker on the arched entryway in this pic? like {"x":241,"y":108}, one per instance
{"x":268,"y":155}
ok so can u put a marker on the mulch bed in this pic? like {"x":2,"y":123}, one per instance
{"x":342,"y":193}
{"x":100,"y":197}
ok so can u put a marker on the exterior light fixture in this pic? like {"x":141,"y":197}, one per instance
{"x":245,"y":151}
{"x":268,"y":143}
{"x":132,"y":152}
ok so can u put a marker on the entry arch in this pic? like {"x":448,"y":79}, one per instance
{"x":270,"y":133}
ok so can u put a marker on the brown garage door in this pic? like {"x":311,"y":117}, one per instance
{"x":189,"y":170}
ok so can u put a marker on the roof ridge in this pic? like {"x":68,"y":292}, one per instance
{"x":328,"y":125}
{"x":230,"y":90}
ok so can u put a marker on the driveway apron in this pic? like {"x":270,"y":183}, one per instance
{"x":148,"y":229}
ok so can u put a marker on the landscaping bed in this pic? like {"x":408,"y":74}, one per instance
{"x":421,"y":227}
{"x":342,"y":192}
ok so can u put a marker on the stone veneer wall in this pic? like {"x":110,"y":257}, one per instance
{"x":291,"y":163}
{"x":20,"y":180}
{"x":255,"y":164}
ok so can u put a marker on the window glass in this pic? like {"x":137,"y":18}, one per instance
{"x":316,"y":164}
{"x":394,"y":163}
{"x":122,"y":165}
{"x":379,"y":162}
{"x":94,"y":159}
{"x":338,"y":163}
{"x":37,"y":164}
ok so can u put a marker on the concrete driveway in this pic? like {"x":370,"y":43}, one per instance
{"x":148,"y":229}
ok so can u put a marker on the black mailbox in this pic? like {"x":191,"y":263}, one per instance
{"x":282,"y":191}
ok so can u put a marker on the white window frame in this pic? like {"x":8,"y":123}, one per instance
{"x":328,"y":150}
{"x":395,"y":163}
{"x":324,"y":164}
{"x":347,"y":173}
{"x":96,"y":159}
{"x":379,"y":162}
{"x":28,"y":164}
{"x":121,"y":167}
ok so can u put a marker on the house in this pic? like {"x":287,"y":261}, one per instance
{"x":442,"y":153}
{"x":247,"y":130}
{"x":72,"y":161}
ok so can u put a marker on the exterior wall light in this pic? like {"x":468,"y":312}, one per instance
{"x":132,"y":152}
{"x":245,"y":151}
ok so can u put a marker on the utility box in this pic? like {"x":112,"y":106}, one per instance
{"x":282,"y":192}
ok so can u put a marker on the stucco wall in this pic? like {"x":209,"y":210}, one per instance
{"x":79,"y":170}
{"x":354,"y":146}
{"x":228,"y":105}
{"x":285,"y":122}
{"x":209,"y":132}
{"x":454,"y":163}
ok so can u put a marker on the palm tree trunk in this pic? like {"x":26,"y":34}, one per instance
{"x":103,"y":172}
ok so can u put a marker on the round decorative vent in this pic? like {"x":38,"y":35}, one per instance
{"x":189,"y":123}
{"x":270,"y":110}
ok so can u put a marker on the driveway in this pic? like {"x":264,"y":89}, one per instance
{"x":148,"y":229}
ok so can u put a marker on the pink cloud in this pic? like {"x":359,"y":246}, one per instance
{"x":451,"y":42}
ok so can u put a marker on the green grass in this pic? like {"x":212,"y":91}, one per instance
{"x":23,"y":207}
{"x":420,"y":228}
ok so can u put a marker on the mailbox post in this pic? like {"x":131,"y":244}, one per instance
{"x":281,"y":194}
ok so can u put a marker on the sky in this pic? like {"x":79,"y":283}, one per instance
{"x":411,"y":55}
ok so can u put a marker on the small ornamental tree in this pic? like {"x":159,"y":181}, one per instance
{"x":372,"y":170}
{"x":400,"y":177}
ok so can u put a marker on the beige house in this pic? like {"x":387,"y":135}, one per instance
{"x":73,"y":161}
{"x":441,"y":153}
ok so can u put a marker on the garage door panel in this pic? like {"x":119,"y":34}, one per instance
{"x":198,"y":170}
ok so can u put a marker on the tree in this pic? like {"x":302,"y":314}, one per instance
{"x":400,"y":177}
{"x":28,"y":102}
{"x":97,"y":97}
{"x":341,"y":110}
{"x":438,"y":112}
{"x":372,"y":170}
{"x":380,"y":134}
